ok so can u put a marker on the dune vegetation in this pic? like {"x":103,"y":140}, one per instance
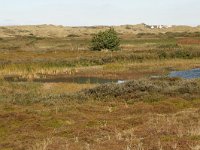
{"x":54,"y":95}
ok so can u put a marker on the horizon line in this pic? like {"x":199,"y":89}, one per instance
{"x":98,"y":25}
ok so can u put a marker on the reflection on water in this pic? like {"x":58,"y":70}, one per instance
{"x":79,"y":80}
{"x":188,"y":74}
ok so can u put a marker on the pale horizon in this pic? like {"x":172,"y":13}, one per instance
{"x":97,"y":13}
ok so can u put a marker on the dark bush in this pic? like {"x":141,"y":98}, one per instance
{"x":146,"y":89}
{"x":162,"y":54}
{"x":73,"y":35}
{"x":181,"y":54}
{"x":169,"y":46}
{"x":106,"y":40}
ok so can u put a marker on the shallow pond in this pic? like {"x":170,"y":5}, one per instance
{"x":187,"y":74}
{"x":78,"y":80}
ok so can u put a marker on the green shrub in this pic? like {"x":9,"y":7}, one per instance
{"x":169,"y":46}
{"x":146,"y":90}
{"x":182,"y":54}
{"x":162,"y":54}
{"x":73,"y":35}
{"x":106,"y":40}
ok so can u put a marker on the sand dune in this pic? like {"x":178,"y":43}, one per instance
{"x":64,"y":31}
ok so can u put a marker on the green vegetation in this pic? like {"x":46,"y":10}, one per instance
{"x":147,"y":90}
{"x":106,"y":40}
{"x":148,"y":111}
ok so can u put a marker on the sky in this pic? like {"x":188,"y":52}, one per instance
{"x":99,"y":12}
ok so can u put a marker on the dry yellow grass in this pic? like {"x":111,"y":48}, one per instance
{"x":124,"y":70}
{"x":61,"y":31}
{"x":101,"y":125}
{"x":64,"y":88}
{"x":145,"y":115}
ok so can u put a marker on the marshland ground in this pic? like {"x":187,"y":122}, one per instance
{"x":40,"y":109}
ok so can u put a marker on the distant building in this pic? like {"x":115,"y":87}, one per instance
{"x":159,"y":26}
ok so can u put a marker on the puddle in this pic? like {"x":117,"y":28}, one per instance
{"x":78,"y":80}
{"x":187,"y":74}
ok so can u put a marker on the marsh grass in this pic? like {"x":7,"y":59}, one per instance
{"x":70,"y":125}
{"x":147,"y":90}
{"x":28,"y":56}
{"x":143,"y":113}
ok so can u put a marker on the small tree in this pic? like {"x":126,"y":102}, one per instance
{"x":106,"y":40}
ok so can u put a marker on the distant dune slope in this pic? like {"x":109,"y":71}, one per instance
{"x":61,"y":31}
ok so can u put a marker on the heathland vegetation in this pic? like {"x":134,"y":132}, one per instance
{"x":44,"y":106}
{"x":106,"y":40}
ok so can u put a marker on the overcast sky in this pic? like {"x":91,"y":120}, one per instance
{"x":99,"y":12}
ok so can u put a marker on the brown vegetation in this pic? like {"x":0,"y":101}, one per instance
{"x":147,"y":112}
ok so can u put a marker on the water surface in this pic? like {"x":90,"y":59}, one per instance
{"x":187,"y":74}
{"x":58,"y":79}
